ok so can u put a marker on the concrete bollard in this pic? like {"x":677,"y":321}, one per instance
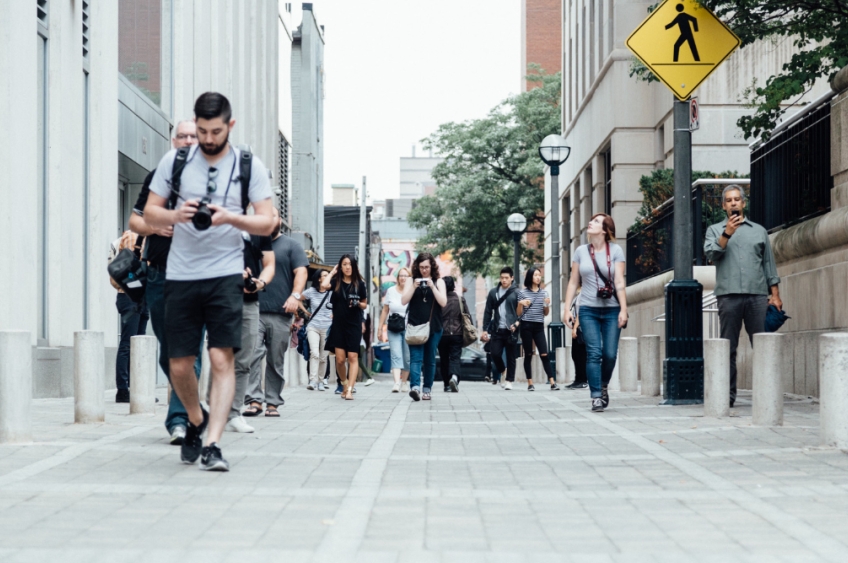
{"x":716,"y":377}
{"x":89,"y":377}
{"x":15,"y":386}
{"x":561,"y":365}
{"x":767,"y":384}
{"x":628,"y":363}
{"x":833,"y":389}
{"x":143,"y":375}
{"x":650,"y":365}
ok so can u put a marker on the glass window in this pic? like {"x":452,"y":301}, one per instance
{"x":42,"y":189}
{"x":143,"y":56}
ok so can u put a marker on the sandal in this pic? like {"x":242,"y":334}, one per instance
{"x":348,"y":396}
{"x":253,"y":410}
{"x":272,"y":412}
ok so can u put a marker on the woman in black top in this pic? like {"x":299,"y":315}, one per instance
{"x":450,"y":345}
{"x":426,"y":296}
{"x":533,"y":306}
{"x":349,"y":300}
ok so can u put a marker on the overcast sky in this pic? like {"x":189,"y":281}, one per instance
{"x":397,"y":69}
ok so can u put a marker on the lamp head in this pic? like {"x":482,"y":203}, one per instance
{"x":553,"y":150}
{"x":516,"y":223}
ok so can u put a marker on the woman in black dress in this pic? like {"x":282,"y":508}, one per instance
{"x":349,"y":300}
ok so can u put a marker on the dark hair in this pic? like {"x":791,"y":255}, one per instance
{"x":316,"y":279}
{"x":609,"y":225}
{"x":336,"y":282}
{"x":434,"y":268}
{"x":450,"y":283}
{"x":507,"y":270}
{"x":211,"y":105}
{"x":528,"y":277}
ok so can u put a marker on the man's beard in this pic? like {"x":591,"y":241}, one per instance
{"x":215,"y":149}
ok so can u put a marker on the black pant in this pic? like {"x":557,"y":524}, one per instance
{"x":532,"y":332}
{"x":450,"y":353}
{"x":134,"y":318}
{"x":500,"y":342}
{"x":733,"y":310}
{"x":578,"y":355}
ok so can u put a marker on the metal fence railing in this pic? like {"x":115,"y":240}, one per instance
{"x":790,"y":173}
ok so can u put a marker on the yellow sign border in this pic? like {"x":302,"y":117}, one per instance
{"x":655,"y":73}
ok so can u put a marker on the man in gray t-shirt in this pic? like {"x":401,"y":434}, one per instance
{"x":204,"y":284}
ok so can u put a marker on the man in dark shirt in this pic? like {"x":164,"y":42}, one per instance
{"x":259,"y":266}
{"x":276,"y":305}
{"x":156,"y":253}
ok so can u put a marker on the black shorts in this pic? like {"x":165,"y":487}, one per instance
{"x":189,"y":305}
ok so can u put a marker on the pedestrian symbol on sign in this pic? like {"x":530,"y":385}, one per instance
{"x":683,"y":21}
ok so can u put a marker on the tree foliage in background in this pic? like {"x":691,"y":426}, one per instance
{"x":819,"y":31}
{"x":491,"y":169}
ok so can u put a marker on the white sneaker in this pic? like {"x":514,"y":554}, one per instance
{"x":405,"y":387}
{"x":507,"y":386}
{"x":369,"y":381}
{"x":238,"y":424}
{"x":311,"y":386}
{"x":321,"y":386}
{"x":396,"y":387}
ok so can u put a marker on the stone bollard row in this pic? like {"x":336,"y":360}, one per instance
{"x":716,"y":377}
{"x":89,"y":377}
{"x":767,"y":384}
{"x":15,"y":386}
{"x":628,"y":364}
{"x":650,"y":364}
{"x":833,"y":389}
{"x":143,"y":367}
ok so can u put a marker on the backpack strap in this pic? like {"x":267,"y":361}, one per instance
{"x":245,"y":167}
{"x":180,"y":161}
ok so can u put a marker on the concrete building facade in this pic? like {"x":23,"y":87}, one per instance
{"x":307,"y":72}
{"x":416,"y":175}
{"x":98,"y":87}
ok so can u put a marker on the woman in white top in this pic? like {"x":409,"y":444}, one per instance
{"x":321,"y":316}
{"x":397,"y":340}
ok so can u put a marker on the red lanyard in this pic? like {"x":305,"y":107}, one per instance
{"x":609,"y":262}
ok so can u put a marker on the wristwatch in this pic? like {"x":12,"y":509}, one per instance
{"x":725,"y":235}
{"x":296,"y":295}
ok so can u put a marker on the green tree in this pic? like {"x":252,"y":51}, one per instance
{"x":818,"y":30}
{"x":491,"y":169}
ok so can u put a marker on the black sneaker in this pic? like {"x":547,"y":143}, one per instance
{"x":415,"y":394}
{"x":212,"y":460}
{"x":605,"y":396}
{"x":577,"y":385}
{"x":597,"y":405}
{"x":122,"y":396}
{"x":339,"y":389}
{"x":488,"y":378}
{"x":447,"y":389}
{"x":192,"y":445}
{"x":531,"y":387}
{"x":554,"y":387}
{"x":454,"y":384}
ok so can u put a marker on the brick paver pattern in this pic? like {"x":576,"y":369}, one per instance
{"x":482,"y":475}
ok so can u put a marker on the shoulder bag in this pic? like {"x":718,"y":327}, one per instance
{"x":302,"y":340}
{"x":469,"y":331}
{"x":419,"y":334}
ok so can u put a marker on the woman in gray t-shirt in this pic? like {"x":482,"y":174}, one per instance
{"x":598,"y":267}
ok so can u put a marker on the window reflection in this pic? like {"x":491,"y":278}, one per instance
{"x":140,"y":45}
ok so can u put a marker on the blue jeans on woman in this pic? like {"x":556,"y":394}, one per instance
{"x":600,"y":332}
{"x":422,"y":357}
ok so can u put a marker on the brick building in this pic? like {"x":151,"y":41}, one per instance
{"x":541,"y":36}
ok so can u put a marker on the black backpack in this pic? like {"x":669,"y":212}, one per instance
{"x":180,"y":161}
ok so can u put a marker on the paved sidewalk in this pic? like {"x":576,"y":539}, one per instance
{"x":484,"y":475}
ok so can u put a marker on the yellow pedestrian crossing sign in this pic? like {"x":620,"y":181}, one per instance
{"x":682,"y":42}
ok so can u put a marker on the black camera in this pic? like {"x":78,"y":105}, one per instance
{"x":353,"y":301}
{"x":605,"y":292}
{"x":203,"y":217}
{"x":249,"y":284}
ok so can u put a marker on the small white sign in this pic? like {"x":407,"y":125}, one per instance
{"x":694,"y":116}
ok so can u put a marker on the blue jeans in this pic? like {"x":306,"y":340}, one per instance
{"x":399,"y":350}
{"x":423,"y":357}
{"x":601,"y":332}
{"x":155,"y":297}
{"x":134,"y":318}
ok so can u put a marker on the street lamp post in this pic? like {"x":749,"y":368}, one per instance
{"x":516,"y":223}
{"x":554,"y":152}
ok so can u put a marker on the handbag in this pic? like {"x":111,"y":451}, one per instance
{"x":302,"y":340}
{"x":419,"y":334}
{"x":130,"y":272}
{"x":396,"y":323}
{"x":469,"y":331}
